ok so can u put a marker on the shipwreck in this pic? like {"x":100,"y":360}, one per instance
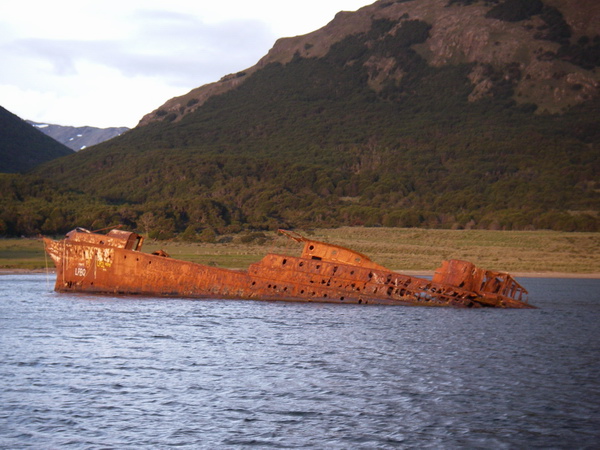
{"x":113,"y":263}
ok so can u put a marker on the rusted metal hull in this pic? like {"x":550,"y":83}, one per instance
{"x":104,"y":264}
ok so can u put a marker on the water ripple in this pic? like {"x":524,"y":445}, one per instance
{"x":114,"y":372}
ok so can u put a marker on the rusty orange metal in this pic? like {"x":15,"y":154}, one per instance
{"x":113,"y":263}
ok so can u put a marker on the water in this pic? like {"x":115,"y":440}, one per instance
{"x":110,"y":372}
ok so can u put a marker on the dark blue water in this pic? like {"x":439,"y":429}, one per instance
{"x":102,"y":372}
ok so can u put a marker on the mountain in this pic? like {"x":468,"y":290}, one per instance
{"x":423,"y":113}
{"x":545,"y":51}
{"x":23,"y":147}
{"x":78,"y":138}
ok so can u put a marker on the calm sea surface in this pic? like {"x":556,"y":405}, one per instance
{"x":111,"y":372}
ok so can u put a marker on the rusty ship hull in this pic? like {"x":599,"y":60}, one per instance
{"x":113,"y":263}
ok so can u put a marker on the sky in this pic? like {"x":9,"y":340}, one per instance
{"x":107,"y":63}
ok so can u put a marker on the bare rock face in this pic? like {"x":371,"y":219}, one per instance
{"x":531,"y":52}
{"x":552,"y":84}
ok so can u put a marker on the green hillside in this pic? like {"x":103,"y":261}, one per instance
{"x":327,"y":141}
{"x":22,"y":147}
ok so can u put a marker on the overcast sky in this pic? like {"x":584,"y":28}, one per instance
{"x":107,"y":63}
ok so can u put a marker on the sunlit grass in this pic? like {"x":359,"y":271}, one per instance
{"x":514,"y":251}
{"x":399,"y":249}
{"x":23,"y":254}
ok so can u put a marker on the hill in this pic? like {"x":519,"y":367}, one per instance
{"x":545,"y":51}
{"x":78,"y":138}
{"x":23,"y":147}
{"x":429,"y":113}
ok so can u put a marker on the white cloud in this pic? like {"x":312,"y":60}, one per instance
{"x":96,"y":95}
{"x":108,"y":63}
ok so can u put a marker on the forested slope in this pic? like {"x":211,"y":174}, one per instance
{"x":372,"y":132}
{"x":22,"y":147}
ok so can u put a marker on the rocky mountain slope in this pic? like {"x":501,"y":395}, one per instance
{"x":423,"y":113}
{"x":23,"y":147}
{"x":78,"y":138}
{"x":546,"y":50}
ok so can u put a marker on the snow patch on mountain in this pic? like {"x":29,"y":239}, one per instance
{"x":78,"y":138}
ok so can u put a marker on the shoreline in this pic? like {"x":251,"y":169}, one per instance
{"x":414,"y":273}
{"x":421,"y":273}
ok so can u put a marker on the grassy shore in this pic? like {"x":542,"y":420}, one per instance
{"x":415,"y":250}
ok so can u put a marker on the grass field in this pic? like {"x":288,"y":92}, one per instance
{"x":400,"y":249}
